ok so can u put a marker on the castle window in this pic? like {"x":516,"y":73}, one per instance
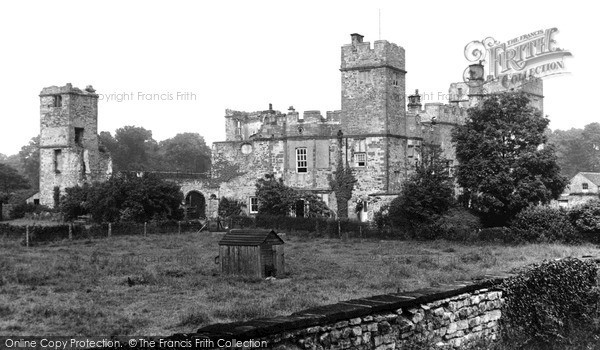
{"x":301,"y":160}
{"x":361,"y":159}
{"x":585,"y":186}
{"x":363,"y":76}
{"x":238,"y":127}
{"x":395,"y":79}
{"x":300,"y":209}
{"x":253,"y":205}
{"x":324,"y":197}
{"x":57,"y":161}
{"x":78,"y":136}
{"x":57,"y":101}
{"x":411,"y":151}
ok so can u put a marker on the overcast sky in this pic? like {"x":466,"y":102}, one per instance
{"x":244,"y":55}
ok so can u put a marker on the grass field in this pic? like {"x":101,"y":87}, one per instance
{"x":162,"y":284}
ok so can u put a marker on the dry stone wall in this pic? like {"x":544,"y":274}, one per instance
{"x":446,"y":317}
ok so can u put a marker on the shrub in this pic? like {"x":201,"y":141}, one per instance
{"x":425,"y":196}
{"x":11,"y":231}
{"x":381,"y":218}
{"x":20,"y":210}
{"x":547,"y":301}
{"x":496,"y":234}
{"x":543,"y":224}
{"x":229,"y":207}
{"x":125,"y":197}
{"x":586,"y":219}
{"x":458,"y":225}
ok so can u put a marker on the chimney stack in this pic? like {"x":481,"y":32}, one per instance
{"x":356,"y":38}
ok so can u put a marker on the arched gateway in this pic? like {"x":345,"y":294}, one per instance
{"x":195,"y":205}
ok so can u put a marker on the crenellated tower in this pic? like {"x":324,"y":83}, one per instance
{"x":373,"y":87}
{"x":69,"y":152}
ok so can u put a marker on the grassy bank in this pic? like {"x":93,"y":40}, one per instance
{"x":161,"y":284}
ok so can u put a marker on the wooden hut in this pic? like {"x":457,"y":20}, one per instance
{"x":256,"y":253}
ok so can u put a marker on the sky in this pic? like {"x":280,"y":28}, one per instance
{"x":175,"y":66}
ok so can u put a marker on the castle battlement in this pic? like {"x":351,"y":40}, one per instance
{"x":359,"y":55}
{"x":68,"y":89}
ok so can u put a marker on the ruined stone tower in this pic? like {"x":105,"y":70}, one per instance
{"x":373,"y":84}
{"x":69,"y":152}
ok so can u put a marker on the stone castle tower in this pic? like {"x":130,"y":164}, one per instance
{"x":69,"y":150}
{"x":373,"y":84}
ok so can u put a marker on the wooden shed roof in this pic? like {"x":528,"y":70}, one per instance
{"x":242,"y":237}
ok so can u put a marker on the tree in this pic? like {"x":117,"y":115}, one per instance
{"x":577,"y":149}
{"x":132,"y":148}
{"x":10,"y":181}
{"x":342,"y":182}
{"x":591,"y":139}
{"x":185,"y":152}
{"x":229,"y":207}
{"x":503,"y":163}
{"x":29,"y":157}
{"x":274,"y":197}
{"x":426,"y":195}
{"x":125,"y":197}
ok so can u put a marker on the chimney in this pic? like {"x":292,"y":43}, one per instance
{"x":414,"y":103}
{"x":270,"y":106}
{"x":356,"y":38}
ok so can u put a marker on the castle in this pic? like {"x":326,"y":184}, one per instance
{"x":376,"y":133}
{"x":69,"y":150}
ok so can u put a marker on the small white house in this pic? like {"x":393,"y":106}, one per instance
{"x":582,"y":188}
{"x":34,"y":199}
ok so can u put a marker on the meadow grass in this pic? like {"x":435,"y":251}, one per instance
{"x":164,"y":284}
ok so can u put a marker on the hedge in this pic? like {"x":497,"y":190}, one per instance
{"x":547,"y":302}
{"x":42,"y":234}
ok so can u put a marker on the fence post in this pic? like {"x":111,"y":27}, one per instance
{"x":145,"y":228}
{"x":178,"y":227}
{"x":339,"y":228}
{"x":27,"y":236}
{"x":109,"y":229}
{"x":70,"y":231}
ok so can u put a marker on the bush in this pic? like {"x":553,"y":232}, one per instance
{"x":543,"y":224}
{"x":229,"y":207}
{"x":125,"y":197}
{"x":458,"y":225}
{"x":545,"y":302}
{"x":425,"y":196}
{"x":496,"y":234}
{"x":11,"y":231}
{"x":20,"y":210}
{"x":586,"y":219}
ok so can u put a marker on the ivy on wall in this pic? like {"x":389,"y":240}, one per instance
{"x":343,"y":180}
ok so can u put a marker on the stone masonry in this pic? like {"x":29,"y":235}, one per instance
{"x":447,"y":317}
{"x":69,"y":150}
{"x":373,"y":133}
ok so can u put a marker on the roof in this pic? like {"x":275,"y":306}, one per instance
{"x":593,"y":177}
{"x":250,"y":238}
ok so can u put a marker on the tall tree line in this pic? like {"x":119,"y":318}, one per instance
{"x":577,"y":149}
{"x":132,"y":149}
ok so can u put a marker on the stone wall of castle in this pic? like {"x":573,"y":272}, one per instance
{"x":69,"y":150}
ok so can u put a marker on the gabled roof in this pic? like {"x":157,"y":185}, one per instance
{"x":593,"y":177}
{"x":250,"y":237}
